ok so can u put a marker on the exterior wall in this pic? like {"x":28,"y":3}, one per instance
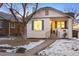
{"x":39,"y":34}
{"x":40,"y":15}
{"x":69,"y":28}
{"x":5,"y":30}
{"x":42,"y":34}
{"x":46,"y":32}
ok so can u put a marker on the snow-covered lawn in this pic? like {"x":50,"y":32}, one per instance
{"x":28,"y":46}
{"x":62,"y":47}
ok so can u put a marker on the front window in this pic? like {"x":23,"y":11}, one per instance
{"x":60,"y":24}
{"x":38,"y":25}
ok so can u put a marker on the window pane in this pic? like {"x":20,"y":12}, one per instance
{"x":37,"y":25}
{"x":53,"y":25}
{"x":60,"y":24}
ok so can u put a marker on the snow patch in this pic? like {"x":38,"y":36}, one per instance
{"x":28,"y":46}
{"x":31,"y":45}
{"x":62,"y":47}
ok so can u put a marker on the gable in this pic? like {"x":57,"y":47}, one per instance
{"x":51,"y":13}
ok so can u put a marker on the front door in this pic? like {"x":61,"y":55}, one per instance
{"x":53,"y":26}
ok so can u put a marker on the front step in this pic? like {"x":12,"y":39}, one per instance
{"x":53,"y":36}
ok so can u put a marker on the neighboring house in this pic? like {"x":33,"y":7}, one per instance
{"x":76,"y":28}
{"x":8,"y":25}
{"x":76,"y":25}
{"x":46,"y":21}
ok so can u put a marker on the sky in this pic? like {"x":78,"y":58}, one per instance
{"x":59,"y":6}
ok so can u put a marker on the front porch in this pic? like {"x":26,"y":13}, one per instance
{"x":61,"y":28}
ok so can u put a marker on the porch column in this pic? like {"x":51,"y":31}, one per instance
{"x":69,"y":28}
{"x":9,"y":29}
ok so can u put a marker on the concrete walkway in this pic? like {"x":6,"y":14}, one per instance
{"x":32,"y":51}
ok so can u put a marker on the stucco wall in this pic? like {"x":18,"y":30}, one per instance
{"x":52,"y":13}
{"x":46,"y":32}
{"x":40,"y":15}
{"x":38,"y":34}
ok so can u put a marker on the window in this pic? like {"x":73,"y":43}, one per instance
{"x":46,"y":12}
{"x":1,"y":23}
{"x":12,"y":25}
{"x":60,"y":24}
{"x":53,"y":25}
{"x":38,"y":25}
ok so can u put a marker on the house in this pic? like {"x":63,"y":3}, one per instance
{"x":76,"y":28}
{"x":8,"y":25}
{"x":46,"y":21}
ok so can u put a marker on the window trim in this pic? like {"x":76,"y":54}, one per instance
{"x":42,"y":24}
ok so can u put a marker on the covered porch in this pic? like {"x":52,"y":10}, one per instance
{"x":61,"y":27}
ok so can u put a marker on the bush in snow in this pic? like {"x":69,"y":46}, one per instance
{"x":21,"y":50}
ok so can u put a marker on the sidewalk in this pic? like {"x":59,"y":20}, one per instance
{"x":33,"y":51}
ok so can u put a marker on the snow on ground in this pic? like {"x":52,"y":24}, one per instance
{"x":62,"y":47}
{"x":29,"y":46}
{"x":32,"y":44}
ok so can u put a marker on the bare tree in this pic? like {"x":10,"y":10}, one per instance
{"x":72,"y":10}
{"x":75,"y":14}
{"x":1,"y":5}
{"x":21,"y":10}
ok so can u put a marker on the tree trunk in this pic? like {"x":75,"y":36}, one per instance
{"x":24,"y":32}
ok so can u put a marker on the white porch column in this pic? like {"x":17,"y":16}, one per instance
{"x":69,"y":24}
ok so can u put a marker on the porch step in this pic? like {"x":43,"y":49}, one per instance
{"x":53,"y":36}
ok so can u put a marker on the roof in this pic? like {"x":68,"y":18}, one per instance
{"x":71,"y":14}
{"x":51,"y":9}
{"x":7,"y":16}
{"x":66,"y":14}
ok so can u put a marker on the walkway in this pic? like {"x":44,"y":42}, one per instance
{"x":32,"y":51}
